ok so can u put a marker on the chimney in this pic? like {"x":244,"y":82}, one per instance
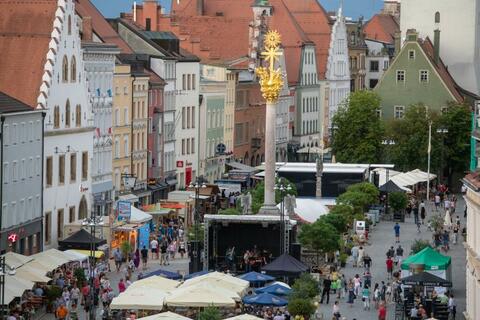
{"x":200,"y":7}
{"x":397,"y":37}
{"x":87,"y":29}
{"x":148,"y":24}
{"x":134,"y":11}
{"x":436,"y":46}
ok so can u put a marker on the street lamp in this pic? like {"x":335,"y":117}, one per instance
{"x":196,"y":186}
{"x":284,"y":188}
{"x":129,"y":181}
{"x":387,"y":142}
{"x":443,"y":132}
{"x":92,"y":222}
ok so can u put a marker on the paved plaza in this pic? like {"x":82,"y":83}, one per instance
{"x":381,"y":238}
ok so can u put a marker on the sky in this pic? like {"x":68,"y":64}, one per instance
{"x":352,"y":8}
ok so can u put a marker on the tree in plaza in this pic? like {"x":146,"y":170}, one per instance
{"x":358,"y":133}
{"x":320,"y":236}
{"x":418,"y":245}
{"x":456,"y":143}
{"x":411,"y":138}
{"x":339,"y":221}
{"x":344,"y":210}
{"x":305,"y":287}
{"x":301,"y":308}
{"x":209,"y":313}
{"x":360,"y":196}
{"x":258,"y":194}
{"x":398,"y":201}
{"x":196,"y":232}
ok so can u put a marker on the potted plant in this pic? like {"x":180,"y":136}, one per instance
{"x":79,"y":275}
{"x":52,"y":293}
{"x":126,"y":248}
{"x":343,"y":259}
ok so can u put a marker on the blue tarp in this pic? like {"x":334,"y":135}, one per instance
{"x":195,"y":274}
{"x":165,"y":274}
{"x":253,"y":277}
{"x":276,"y":289}
{"x":265,"y":299}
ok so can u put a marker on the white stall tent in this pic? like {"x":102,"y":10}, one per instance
{"x":221,"y":281}
{"x":165,"y":316}
{"x":244,"y":317}
{"x":32,"y":273}
{"x":201,"y":295}
{"x":139,"y":299}
{"x":138,"y":216}
{"x":156,"y":282}
{"x":15,"y":260}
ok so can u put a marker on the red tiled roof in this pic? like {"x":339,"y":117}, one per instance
{"x":100,"y":26}
{"x":473,"y":178}
{"x":222,"y":32}
{"x":442,"y":70}
{"x":25,"y":32}
{"x":381,"y":27}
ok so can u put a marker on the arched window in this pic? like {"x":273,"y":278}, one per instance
{"x":65,"y":69}
{"x":69,"y":24}
{"x":78,"y":115}
{"x":67,"y":114}
{"x":56,"y":117}
{"x":82,"y":209}
{"x":73,"y":70}
{"x":437,"y":17}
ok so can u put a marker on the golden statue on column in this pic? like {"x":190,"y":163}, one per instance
{"x":270,"y":78}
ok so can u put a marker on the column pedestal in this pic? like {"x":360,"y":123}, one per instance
{"x":269,"y":207}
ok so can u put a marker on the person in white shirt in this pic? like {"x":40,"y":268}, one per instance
{"x":154,"y":248}
{"x":452,"y":307}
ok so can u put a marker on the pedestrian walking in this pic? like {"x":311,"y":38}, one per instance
{"x":376,"y":295}
{"x":446,"y":240}
{"x":452,"y":307}
{"x":336,"y":310}
{"x":383,"y":291}
{"x":327,"y":284}
{"x":163,"y":253}
{"x":355,"y":255}
{"x":382,"y":312}
{"x":396,"y":228}
{"x":389,"y":264}
{"x":423,"y":212}
{"x":121,"y":286}
{"x":399,"y":255}
{"x":388,"y":293}
{"x":367,"y":262}
{"x":366,"y":297}
{"x":339,"y":286}
{"x":357,"y":285}
{"x":415,"y":214}
{"x":361,"y":254}
{"x":351,"y":293}
{"x":437,"y":201}
{"x":117,"y":256}
{"x":144,"y":254}
{"x":455,"y":234}
{"x":61,"y":312}
{"x":154,"y":248}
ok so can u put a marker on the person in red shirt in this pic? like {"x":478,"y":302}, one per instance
{"x":85,"y":293}
{"x":389,"y":263}
{"x":121,"y":286}
{"x":382,"y":312}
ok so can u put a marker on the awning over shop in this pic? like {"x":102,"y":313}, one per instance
{"x":138,"y":216}
{"x":157,"y":210}
{"x":126,"y":227}
{"x":411,"y":178}
{"x":128,"y":197}
{"x":97,"y":254}
{"x":240,"y":166}
{"x":15,"y":260}
{"x":82,"y":239}
{"x":51,"y":258}
{"x":142,"y":193}
{"x":431,"y":259}
{"x":157,"y":186}
{"x":427,"y":280}
{"x":31,"y":273}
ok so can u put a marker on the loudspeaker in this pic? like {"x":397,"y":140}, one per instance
{"x":296,"y":250}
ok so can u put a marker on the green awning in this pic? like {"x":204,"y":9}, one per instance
{"x":430,"y":258}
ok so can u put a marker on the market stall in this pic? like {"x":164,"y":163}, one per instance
{"x":82,"y":239}
{"x":165,"y":316}
{"x":244,"y":317}
{"x":221,"y":281}
{"x":137,"y":298}
{"x":135,"y":229}
{"x":430,"y":261}
{"x":201,"y":295}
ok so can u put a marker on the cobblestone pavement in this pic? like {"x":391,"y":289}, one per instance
{"x":381,"y":238}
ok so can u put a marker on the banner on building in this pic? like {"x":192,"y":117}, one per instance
{"x":124,"y":210}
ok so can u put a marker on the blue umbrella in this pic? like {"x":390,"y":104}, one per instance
{"x":165,"y":274}
{"x":253,"y":277}
{"x":265,"y":299}
{"x":276,"y":289}
{"x":196,"y":274}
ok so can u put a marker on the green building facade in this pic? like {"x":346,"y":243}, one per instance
{"x":416,"y":75}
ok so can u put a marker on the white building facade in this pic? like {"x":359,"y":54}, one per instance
{"x":472,"y":245}
{"x":377,"y":62}
{"x":99,"y":62}
{"x":186,"y":112}
{"x":282,"y":130}
{"x":21,"y":178}
{"x":338,"y":70}
{"x":458,"y":50}
{"x":69,"y":129}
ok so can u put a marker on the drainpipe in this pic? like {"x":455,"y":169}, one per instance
{"x":41,"y":184}
{"x":2,"y":119}
{"x":131,"y":129}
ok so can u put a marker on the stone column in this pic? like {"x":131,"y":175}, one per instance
{"x":270,"y":144}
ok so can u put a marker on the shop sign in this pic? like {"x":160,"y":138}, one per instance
{"x":188,"y":164}
{"x":179,"y":164}
{"x":152,"y":182}
{"x":124,"y":209}
{"x":13,"y":237}
{"x":82,"y":188}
